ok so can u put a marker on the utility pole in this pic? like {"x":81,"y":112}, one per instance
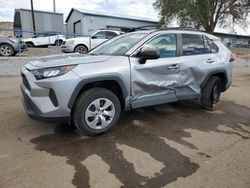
{"x":54,"y":5}
{"x":33,"y":17}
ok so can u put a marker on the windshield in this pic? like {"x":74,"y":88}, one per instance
{"x":118,"y":45}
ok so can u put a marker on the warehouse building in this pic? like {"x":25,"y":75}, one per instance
{"x":85,"y":22}
{"x":44,"y":22}
{"x":234,"y":39}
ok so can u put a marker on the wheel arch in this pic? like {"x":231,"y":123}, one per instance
{"x":222,"y":74}
{"x":113,"y":83}
{"x":31,"y":42}
{"x":86,"y":46}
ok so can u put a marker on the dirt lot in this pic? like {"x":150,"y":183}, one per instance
{"x":175,"y":145}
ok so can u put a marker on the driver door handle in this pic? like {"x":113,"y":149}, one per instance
{"x":173,"y":67}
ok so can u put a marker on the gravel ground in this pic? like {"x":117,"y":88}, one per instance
{"x":38,"y":52}
{"x":173,"y":145}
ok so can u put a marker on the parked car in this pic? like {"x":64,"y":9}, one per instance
{"x":45,"y":39}
{"x":11,"y":46}
{"x":133,"y":70}
{"x":84,"y":44}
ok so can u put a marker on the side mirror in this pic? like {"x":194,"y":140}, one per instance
{"x":93,"y":37}
{"x":147,"y":54}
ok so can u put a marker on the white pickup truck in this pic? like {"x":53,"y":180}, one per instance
{"x":44,"y":39}
{"x":85,"y":44}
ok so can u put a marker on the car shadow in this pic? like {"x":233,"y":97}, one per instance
{"x":144,"y":129}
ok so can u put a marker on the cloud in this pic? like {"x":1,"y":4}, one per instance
{"x":120,"y":7}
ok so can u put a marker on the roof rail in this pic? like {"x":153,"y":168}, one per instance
{"x":145,"y":27}
{"x":163,"y":27}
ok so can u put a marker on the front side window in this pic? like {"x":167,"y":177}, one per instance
{"x":165,"y":44}
{"x":41,"y":35}
{"x":100,"y":35}
{"x":193,"y":44}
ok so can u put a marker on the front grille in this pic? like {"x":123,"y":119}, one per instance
{"x":25,"y":82}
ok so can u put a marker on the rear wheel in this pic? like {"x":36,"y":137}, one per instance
{"x":96,"y":111}
{"x":211,"y":93}
{"x":30,"y":44}
{"x":81,"y":49}
{"x":6,"y":50}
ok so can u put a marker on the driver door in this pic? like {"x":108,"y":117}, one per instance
{"x":98,"y":38}
{"x":155,"y":81}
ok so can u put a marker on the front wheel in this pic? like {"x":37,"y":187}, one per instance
{"x":211,"y":93}
{"x":81,"y":49}
{"x":96,"y":111}
{"x":6,"y":50}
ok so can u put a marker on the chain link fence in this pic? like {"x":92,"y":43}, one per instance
{"x":48,"y":43}
{"x":27,"y":44}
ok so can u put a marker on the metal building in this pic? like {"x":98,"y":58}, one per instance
{"x":44,"y":22}
{"x":234,"y":39}
{"x":85,"y":22}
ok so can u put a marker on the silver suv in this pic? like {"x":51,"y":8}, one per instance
{"x":132,"y":70}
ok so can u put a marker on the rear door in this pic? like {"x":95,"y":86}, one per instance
{"x":41,"y":39}
{"x":197,"y":59}
{"x":154,"y":82}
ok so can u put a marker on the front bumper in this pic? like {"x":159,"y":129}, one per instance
{"x":67,"y":48}
{"x":33,"y":111}
{"x":46,"y":100}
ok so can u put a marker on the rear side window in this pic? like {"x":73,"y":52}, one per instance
{"x":212,"y":45}
{"x":193,"y":44}
{"x":110,"y":35}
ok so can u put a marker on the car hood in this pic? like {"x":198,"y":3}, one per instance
{"x":78,"y":39}
{"x":67,"y":59}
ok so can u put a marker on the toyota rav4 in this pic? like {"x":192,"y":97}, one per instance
{"x":133,"y":70}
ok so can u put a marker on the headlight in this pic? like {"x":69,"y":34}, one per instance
{"x":51,"y":72}
{"x":70,"y":42}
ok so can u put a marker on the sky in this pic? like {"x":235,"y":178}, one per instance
{"x":128,"y":8}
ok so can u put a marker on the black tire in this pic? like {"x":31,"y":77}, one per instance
{"x":83,"y":104}
{"x":30,"y":44}
{"x":81,"y":49}
{"x":211,"y":93}
{"x":7,"y":50}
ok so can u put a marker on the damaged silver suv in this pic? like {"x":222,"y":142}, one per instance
{"x":132,"y":70}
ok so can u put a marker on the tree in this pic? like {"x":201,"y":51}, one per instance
{"x":203,"y":14}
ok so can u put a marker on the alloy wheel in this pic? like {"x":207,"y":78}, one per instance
{"x":5,"y":50}
{"x":100,"y":113}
